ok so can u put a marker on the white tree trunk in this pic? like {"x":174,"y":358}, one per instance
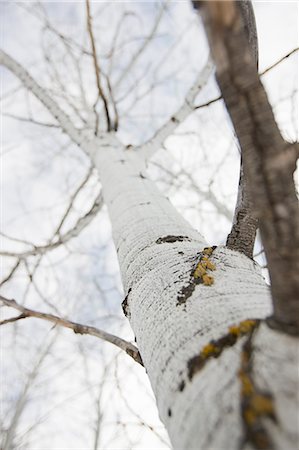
{"x":222,"y":379}
{"x":207,"y":396}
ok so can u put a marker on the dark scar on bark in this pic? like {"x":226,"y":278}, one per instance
{"x":214,"y":348}
{"x":169,"y":412}
{"x":171,"y":239}
{"x":256,"y":404}
{"x":124,"y":305}
{"x":182,"y":386}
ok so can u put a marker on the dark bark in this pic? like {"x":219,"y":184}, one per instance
{"x":244,"y":227}
{"x":269,"y":161}
{"x":243,"y":232}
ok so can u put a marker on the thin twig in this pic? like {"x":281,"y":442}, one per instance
{"x":129,"y":348}
{"x":10,"y":274}
{"x":63,"y":238}
{"x":214,"y":100}
{"x":13,"y":319}
{"x":210,"y":102}
{"x":279,"y":61}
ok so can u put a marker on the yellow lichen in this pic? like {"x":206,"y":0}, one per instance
{"x":210,"y":265}
{"x":207,"y":264}
{"x":208,"y":350}
{"x":199,"y":271}
{"x":243,"y":327}
{"x":235,"y":330}
{"x":207,"y":280}
{"x":247,"y":325}
{"x":203,"y":265}
{"x":259,"y":405}
{"x":208,"y":250}
{"x":249,"y":416}
{"x":246,"y":384}
{"x":262,"y":405}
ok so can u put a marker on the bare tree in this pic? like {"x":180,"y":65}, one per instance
{"x":219,"y":345}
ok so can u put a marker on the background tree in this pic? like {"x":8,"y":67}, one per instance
{"x":151,"y":238}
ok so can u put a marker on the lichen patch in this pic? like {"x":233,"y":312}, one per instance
{"x":201,"y":274}
{"x":256,"y":405}
{"x":214,"y":348}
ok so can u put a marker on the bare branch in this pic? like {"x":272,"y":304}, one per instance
{"x":27,"y":80}
{"x":97,"y":72}
{"x":13,"y":319}
{"x":147,"y":149}
{"x":214,"y":100}
{"x":34,"y":122}
{"x":64,"y":238}
{"x":142,"y":48}
{"x":210,"y":102}
{"x":279,"y":61}
{"x":11,"y":273}
{"x":129,"y":348}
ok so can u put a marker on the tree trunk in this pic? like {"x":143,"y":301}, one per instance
{"x":196,"y":315}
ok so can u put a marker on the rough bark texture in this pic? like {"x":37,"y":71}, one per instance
{"x":191,"y":334}
{"x":269,"y":161}
{"x":243,"y":232}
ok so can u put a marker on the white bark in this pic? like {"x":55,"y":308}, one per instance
{"x":203,"y":412}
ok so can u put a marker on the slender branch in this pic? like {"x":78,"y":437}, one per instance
{"x":11,"y":440}
{"x":34,"y":122}
{"x":142,"y":48}
{"x":205,"y":195}
{"x":129,"y":348}
{"x":10,"y":274}
{"x":63,"y":238}
{"x":97,"y":71}
{"x":147,"y":149}
{"x":39,"y":92}
{"x":72,"y":200}
{"x":268,"y":69}
{"x":279,"y":61}
{"x":13,"y":319}
{"x":210,"y":102}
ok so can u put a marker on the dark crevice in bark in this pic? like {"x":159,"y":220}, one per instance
{"x":198,"y":275}
{"x":171,"y":239}
{"x":256,"y":405}
{"x":215,"y":347}
{"x":125,"y":305}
